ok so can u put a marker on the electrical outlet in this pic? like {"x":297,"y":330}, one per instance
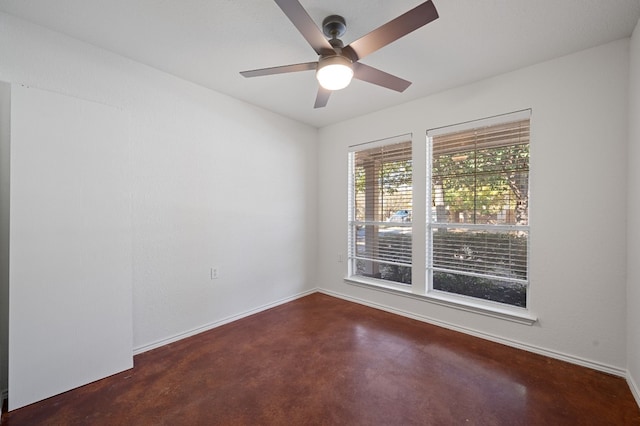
{"x":340,"y":257}
{"x":215,"y":273}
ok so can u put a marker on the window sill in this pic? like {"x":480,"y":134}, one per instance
{"x":518,"y":315}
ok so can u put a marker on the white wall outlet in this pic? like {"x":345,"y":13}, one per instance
{"x":340,"y":257}
{"x":215,"y":273}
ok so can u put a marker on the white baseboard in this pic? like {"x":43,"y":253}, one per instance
{"x":635,"y":390}
{"x":519,"y":345}
{"x":212,"y":325}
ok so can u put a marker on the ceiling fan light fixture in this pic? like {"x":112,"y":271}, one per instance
{"x":334,"y":72}
{"x":337,"y":64}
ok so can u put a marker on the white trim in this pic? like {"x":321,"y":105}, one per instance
{"x":616,"y":371}
{"x":215,"y":324}
{"x":380,"y":284}
{"x":383,"y":224}
{"x":462,"y":303}
{"x":635,"y":390}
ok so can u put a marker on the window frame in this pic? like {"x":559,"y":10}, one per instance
{"x":419,"y":290}
{"x":431,"y":224}
{"x":353,"y":223}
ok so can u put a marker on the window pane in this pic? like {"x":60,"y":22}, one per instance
{"x":382,"y":189}
{"x":489,"y":186}
{"x":380,"y":212}
{"x":481,"y":288}
{"x":478,"y":227}
{"x":389,"y":272}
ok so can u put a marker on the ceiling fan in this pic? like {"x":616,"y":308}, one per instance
{"x":338,"y":64}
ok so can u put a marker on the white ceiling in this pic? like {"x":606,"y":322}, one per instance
{"x":209,"y":42}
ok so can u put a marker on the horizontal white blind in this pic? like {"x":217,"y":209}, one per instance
{"x":383,"y":242}
{"x":380,"y":231}
{"x":505,"y":134}
{"x":493,"y":252}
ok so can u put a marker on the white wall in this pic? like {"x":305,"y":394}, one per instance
{"x":70,"y":244}
{"x":633,"y":227}
{"x":578,"y":199}
{"x":216,"y":182}
{"x":5,"y":118}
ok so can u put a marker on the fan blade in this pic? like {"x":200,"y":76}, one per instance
{"x":322,"y":98}
{"x":392,"y":30}
{"x":303,"y":22}
{"x":281,"y":69}
{"x":373,"y":75}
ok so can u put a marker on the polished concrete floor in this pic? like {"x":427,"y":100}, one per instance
{"x":324,"y":361}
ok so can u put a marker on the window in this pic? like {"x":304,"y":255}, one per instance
{"x":380,"y":200}
{"x":478,"y":223}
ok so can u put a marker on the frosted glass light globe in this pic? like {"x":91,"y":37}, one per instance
{"x":334,"y":72}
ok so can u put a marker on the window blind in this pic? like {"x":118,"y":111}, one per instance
{"x":478,"y":225}
{"x":380,"y":216}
